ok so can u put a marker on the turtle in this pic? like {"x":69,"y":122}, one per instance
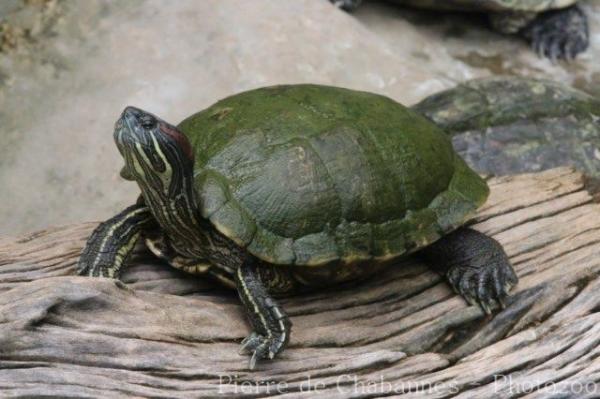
{"x":508,"y":124}
{"x":286,"y":189}
{"x":557,"y":29}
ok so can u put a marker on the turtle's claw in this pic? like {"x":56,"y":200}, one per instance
{"x":502,"y":302}
{"x":260,"y":353}
{"x":260,"y":347}
{"x":250,"y":343}
{"x":252,"y":362}
{"x":487,"y":286}
{"x":556,"y":49}
{"x":475,"y":265}
{"x":470,"y":299}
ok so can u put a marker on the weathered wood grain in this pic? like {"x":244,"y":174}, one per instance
{"x":164,"y":334}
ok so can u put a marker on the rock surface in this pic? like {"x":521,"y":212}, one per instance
{"x":509,"y":125}
{"x":59,"y":100}
{"x":460,"y":46}
{"x":67,"y":68}
{"x":165,"y":334}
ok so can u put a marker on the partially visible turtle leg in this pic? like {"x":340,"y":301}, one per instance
{"x":559,"y":34}
{"x":475,"y":265}
{"x":112,"y":242}
{"x":346,"y":5}
{"x":270,"y":323}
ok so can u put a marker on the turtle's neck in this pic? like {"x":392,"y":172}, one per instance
{"x":189,"y":234}
{"x":174,"y":203}
{"x":177,"y":213}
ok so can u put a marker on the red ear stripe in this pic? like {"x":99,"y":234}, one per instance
{"x":179,"y":138}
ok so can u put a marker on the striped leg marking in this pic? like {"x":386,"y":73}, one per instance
{"x":270,"y":323}
{"x":112,"y":242}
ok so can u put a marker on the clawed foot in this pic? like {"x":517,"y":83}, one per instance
{"x":476,"y":267}
{"x":483,"y":286}
{"x":261,"y":347}
{"x":560,"y":34}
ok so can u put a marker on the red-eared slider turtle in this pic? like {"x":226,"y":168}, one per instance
{"x":507,"y":125}
{"x":555,"y":28}
{"x":282,"y":188}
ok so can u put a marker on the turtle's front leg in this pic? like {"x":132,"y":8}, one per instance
{"x":475,"y":265}
{"x":112,"y":241}
{"x":270,"y":323}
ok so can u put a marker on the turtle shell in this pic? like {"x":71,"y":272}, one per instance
{"x":311,"y":175}
{"x":489,"y":5}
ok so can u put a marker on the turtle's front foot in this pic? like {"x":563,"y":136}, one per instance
{"x":111,"y":243}
{"x":270,"y":323}
{"x":263,"y":347}
{"x":476,"y":267}
{"x":560,"y":34}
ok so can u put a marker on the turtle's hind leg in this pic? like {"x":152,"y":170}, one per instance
{"x":270,"y":323}
{"x":475,"y":265}
{"x":112,"y":242}
{"x":559,"y":34}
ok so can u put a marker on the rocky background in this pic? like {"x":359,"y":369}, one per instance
{"x":67,"y":68}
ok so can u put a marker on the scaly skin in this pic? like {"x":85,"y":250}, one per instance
{"x":111,"y":243}
{"x":271,"y":324}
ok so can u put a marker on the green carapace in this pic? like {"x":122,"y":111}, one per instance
{"x":288,"y":188}
{"x":555,"y":28}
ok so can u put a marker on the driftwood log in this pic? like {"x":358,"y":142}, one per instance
{"x":163,"y":334}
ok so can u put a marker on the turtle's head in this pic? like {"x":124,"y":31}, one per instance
{"x":157,"y":155}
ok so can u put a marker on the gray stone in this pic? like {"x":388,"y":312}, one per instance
{"x":509,"y":125}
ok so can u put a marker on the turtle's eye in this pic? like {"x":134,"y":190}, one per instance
{"x":147,"y":121}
